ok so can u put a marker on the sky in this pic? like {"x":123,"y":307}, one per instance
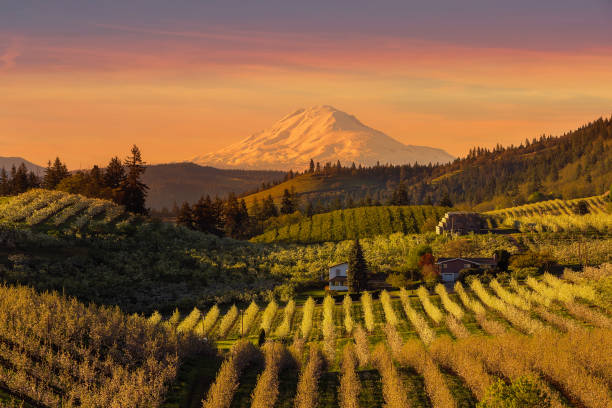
{"x":87,"y":79}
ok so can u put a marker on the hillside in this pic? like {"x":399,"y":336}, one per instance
{"x":596,"y":205}
{"x":559,"y":216}
{"x":354,"y":223}
{"x":180,"y":182}
{"x":323,"y":134}
{"x":577,"y":164}
{"x":59,"y":211}
{"x":8,"y":162}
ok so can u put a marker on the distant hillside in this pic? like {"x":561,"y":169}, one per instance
{"x":354,"y":223}
{"x":179,"y":182}
{"x":577,"y":164}
{"x":8,"y":162}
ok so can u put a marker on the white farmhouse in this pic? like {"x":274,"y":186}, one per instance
{"x":337,"y":277}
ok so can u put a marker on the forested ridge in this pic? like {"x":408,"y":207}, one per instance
{"x":576,"y":164}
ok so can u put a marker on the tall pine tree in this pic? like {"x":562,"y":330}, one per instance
{"x":357,"y":274}
{"x":133,"y":190}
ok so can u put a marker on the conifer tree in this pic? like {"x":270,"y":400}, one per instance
{"x":287,"y":204}
{"x":133,"y":190}
{"x":446,"y":201}
{"x":357,"y":274}
{"x":54,"y":173}
{"x":184,"y":216}
{"x":5,"y":188}
{"x":268,"y":209}
{"x":311,"y":169}
{"x":114,"y":175}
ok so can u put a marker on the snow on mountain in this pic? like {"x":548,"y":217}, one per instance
{"x":324,"y":134}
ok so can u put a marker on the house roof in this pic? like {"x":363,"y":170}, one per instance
{"x":478,"y":261}
{"x":342,"y":263}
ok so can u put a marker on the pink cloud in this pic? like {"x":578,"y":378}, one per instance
{"x":10,"y":54}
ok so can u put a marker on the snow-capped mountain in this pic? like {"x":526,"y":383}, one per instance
{"x":324,"y":134}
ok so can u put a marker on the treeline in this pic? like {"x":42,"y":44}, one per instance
{"x":18,"y":180}
{"x":120,"y":181}
{"x":231,"y":217}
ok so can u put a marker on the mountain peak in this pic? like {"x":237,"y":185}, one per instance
{"x":324,"y":134}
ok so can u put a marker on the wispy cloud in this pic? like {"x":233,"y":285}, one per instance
{"x":10,"y":53}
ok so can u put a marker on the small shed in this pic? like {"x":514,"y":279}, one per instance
{"x":450,"y":267}
{"x":338,"y":277}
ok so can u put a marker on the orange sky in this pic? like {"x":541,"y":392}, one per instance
{"x":179,"y":94}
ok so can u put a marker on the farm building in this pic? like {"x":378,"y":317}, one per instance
{"x":450,"y":267}
{"x":459,"y":222}
{"x":338,"y":277}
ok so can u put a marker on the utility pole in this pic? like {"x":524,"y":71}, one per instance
{"x":241,"y":323}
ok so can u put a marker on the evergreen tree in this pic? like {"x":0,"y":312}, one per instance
{"x":54,"y":173}
{"x":5,"y":187}
{"x":309,"y":210}
{"x":114,"y":176}
{"x":268,"y":208}
{"x":357,"y":274}
{"x":446,"y":201}
{"x":184,"y":216}
{"x":236,"y":216}
{"x":21,"y":181}
{"x":133,"y":190}
{"x":205,"y":218}
{"x":311,"y":168}
{"x":287,"y":203}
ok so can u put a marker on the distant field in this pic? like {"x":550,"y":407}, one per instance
{"x":56,"y":210}
{"x":354,"y":223}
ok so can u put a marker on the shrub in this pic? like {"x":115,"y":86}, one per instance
{"x":414,"y":355}
{"x":249,"y":317}
{"x":362,"y":346}
{"x":452,"y":307}
{"x":308,"y":311}
{"x":350,"y":385}
{"x":307,"y":387}
{"x":387,"y":305}
{"x":347,"y":305}
{"x":426,"y":334}
{"x":431,"y":309}
{"x":268,"y":316}
{"x":284,"y":328}
{"x":368,"y":311}
{"x":227,"y":322}
{"x":221,"y":393}
{"x":393,"y":389}
{"x":266,"y":390}
{"x":522,"y":392}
